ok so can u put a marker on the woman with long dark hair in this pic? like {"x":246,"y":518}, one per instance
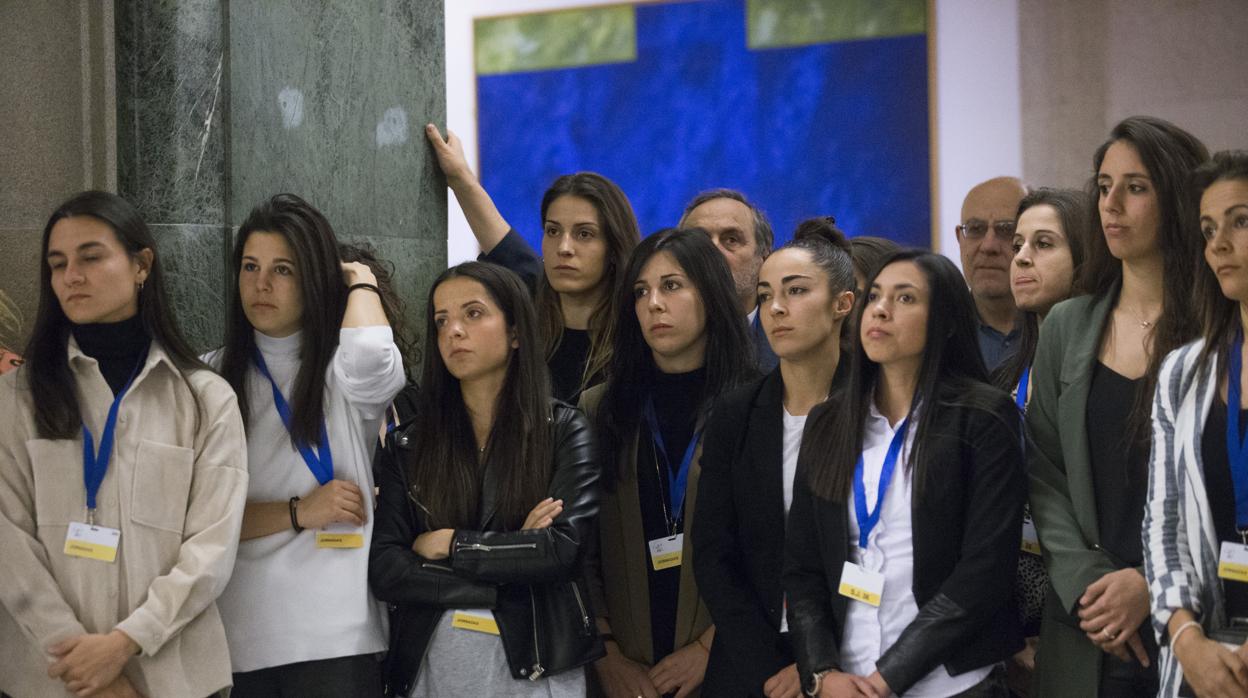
{"x":485,"y":507}
{"x":682,"y":345}
{"x":1092,"y":381}
{"x":588,"y":233}
{"x":903,"y":534}
{"x":123,"y":475}
{"x":312,"y":357}
{"x":1052,"y":225}
{"x":805,"y":292}
{"x":1198,"y":476}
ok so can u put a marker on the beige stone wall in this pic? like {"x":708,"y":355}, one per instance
{"x":1085,"y":65}
{"x":58,"y":110}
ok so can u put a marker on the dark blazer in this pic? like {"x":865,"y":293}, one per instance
{"x":738,"y":544}
{"x":530,"y":578}
{"x":967,"y":518}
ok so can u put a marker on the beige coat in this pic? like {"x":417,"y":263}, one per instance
{"x":175,"y":487}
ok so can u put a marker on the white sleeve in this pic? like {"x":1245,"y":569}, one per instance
{"x":368,"y":368}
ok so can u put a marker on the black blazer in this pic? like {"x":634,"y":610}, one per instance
{"x":530,"y":578}
{"x":967,"y":523}
{"x":738,"y":542}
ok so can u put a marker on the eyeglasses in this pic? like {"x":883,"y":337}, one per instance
{"x":976,"y":229}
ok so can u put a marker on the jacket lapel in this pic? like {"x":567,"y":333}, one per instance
{"x":766,"y":450}
{"x":1076,"y":380}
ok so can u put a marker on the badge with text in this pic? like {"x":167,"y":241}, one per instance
{"x":1233,"y":563}
{"x":476,"y":621}
{"x":92,"y":542}
{"x":861,"y":584}
{"x":340,"y":536}
{"x":667,"y":552}
{"x":1031,"y":540}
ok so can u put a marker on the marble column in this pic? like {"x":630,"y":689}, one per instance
{"x":328,"y":100}
{"x":171,"y":134}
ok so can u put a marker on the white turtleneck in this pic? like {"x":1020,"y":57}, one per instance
{"x":289,"y":601}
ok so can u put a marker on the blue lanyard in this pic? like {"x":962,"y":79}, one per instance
{"x":1020,"y":398}
{"x":322,"y":466}
{"x":868,"y":520}
{"x":1236,"y":449}
{"x":677,"y":479}
{"x":95,"y":464}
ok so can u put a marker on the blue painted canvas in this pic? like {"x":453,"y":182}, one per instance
{"x":824,"y":129}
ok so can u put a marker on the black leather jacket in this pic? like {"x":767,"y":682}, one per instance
{"x":530,"y":579}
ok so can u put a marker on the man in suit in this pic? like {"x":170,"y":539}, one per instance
{"x":743,"y":234}
{"x":986,"y":243}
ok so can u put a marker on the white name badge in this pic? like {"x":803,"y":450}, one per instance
{"x":1233,"y":562}
{"x":667,"y":552}
{"x":340,"y":536}
{"x":1031,"y":540}
{"x":861,"y":584}
{"x":476,"y":621}
{"x":92,"y":542}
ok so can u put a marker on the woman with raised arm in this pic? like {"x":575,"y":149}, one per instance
{"x":1092,"y":382}
{"x":487,"y":498}
{"x":312,"y":357}
{"x":123,"y":474}
{"x":588,"y":233}
{"x":902,"y":538}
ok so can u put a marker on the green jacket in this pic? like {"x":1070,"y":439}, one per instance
{"x":1063,"y":502}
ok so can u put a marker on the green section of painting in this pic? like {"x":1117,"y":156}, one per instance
{"x":562,"y":39}
{"x":781,"y":23}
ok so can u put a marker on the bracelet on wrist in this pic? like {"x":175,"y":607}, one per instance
{"x":1174,"y":639}
{"x":294,"y":514}
{"x":364,"y":286}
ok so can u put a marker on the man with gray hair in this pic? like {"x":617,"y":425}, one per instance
{"x":743,"y":234}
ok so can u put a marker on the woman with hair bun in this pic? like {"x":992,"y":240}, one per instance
{"x":805,"y":293}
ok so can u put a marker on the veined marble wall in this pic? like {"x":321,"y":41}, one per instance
{"x":195,"y":110}
{"x":335,"y":95}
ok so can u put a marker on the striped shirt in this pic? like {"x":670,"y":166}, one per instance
{"x":1180,"y":542}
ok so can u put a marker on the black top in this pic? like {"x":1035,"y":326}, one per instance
{"x":117,"y":346}
{"x":676,"y":397}
{"x":1119,"y":469}
{"x":1220,"y":491}
{"x":567,"y":364}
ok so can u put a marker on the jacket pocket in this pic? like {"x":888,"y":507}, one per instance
{"x":60,"y":495}
{"x":162,"y":485}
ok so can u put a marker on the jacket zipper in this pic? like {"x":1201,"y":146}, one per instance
{"x":489,"y":548}
{"x":536,"y":672}
{"x":581,"y":605}
{"x":435,"y":566}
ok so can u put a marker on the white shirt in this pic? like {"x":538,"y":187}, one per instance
{"x":289,"y":601}
{"x":791,"y":444}
{"x":869,"y":631}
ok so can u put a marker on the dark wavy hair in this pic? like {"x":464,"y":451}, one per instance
{"x":1169,"y":154}
{"x":868,"y":252}
{"x":1072,"y":207}
{"x":729,"y":352}
{"x":951,"y":366}
{"x":444,"y":468}
{"x":391,"y":302}
{"x":324,"y":294}
{"x":618,"y":225}
{"x":1219,"y":315}
{"x":57,"y":414}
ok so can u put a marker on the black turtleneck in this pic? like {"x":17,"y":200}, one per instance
{"x":676,"y":398}
{"x":117,"y":346}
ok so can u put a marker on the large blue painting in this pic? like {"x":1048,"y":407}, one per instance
{"x":821,"y":129}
